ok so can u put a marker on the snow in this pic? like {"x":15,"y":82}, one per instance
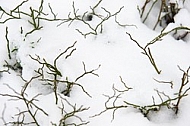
{"x":111,"y":56}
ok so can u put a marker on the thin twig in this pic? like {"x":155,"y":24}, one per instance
{"x":8,"y":44}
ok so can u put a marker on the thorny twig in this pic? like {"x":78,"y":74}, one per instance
{"x":113,"y":99}
{"x":32,"y":108}
{"x":64,"y":121}
{"x":113,"y":107}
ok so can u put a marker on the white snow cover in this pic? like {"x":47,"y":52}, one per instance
{"x":110,"y":57}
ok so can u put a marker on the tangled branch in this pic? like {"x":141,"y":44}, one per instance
{"x":87,"y":16}
{"x":12,"y":14}
{"x":35,"y":15}
{"x":165,"y":100}
{"x":52,"y":69}
{"x":72,"y":114}
{"x":32,"y":108}
{"x":54,"y":74}
{"x":117,"y":93}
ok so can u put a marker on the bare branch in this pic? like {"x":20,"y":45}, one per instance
{"x":111,"y":102}
{"x":70,"y":47}
{"x":181,"y":93}
{"x":146,"y":52}
{"x":8,"y":44}
{"x":71,"y":114}
{"x":165,"y":82}
{"x":30,"y":105}
{"x":123,"y":25}
{"x":3,"y":114}
{"x":82,"y":18}
{"x":87,"y":72}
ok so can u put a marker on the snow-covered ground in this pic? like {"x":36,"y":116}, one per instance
{"x":96,"y":47}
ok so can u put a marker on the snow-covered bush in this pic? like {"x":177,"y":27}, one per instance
{"x":59,"y":57}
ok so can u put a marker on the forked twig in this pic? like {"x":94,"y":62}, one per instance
{"x":146,"y":49}
{"x":147,"y":53}
{"x":111,"y":102}
{"x":87,"y":72}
